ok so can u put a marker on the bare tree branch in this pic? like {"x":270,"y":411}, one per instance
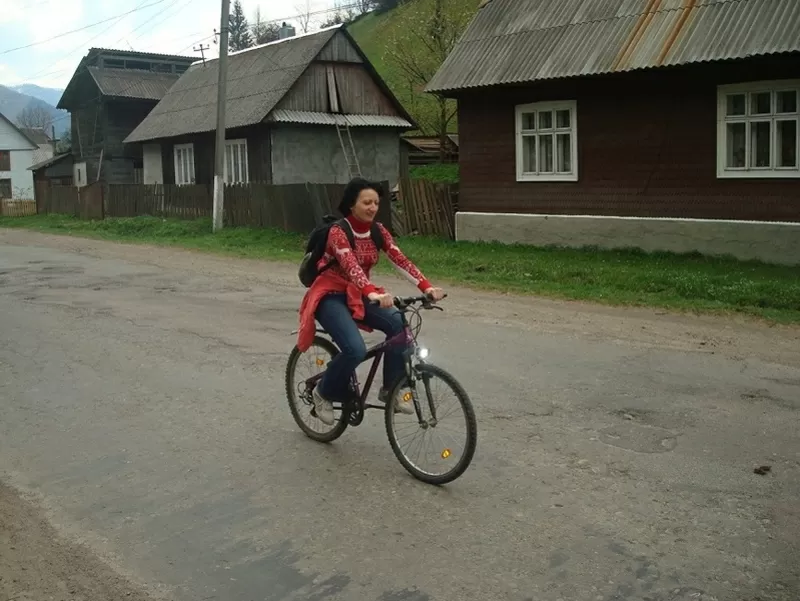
{"x":35,"y":117}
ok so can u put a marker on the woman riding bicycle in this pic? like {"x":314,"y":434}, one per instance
{"x":336,"y":299}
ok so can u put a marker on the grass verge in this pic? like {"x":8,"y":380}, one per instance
{"x":679,"y":282}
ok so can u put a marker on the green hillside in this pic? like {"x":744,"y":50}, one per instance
{"x":379,"y":34}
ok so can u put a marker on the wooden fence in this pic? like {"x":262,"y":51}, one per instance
{"x":17,"y":208}
{"x":426,"y":208}
{"x":291,"y":207}
{"x":423,"y":207}
{"x":85,"y":202}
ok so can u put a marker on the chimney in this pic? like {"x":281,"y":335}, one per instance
{"x":286,"y":31}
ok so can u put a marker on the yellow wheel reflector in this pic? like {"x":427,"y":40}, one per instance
{"x":445,"y":453}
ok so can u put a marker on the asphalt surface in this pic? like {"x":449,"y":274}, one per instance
{"x":142,"y":402}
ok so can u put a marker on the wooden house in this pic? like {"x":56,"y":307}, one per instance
{"x":292,"y":107}
{"x":110,"y":93}
{"x":626,"y":109}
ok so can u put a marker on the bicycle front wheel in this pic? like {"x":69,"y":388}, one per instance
{"x":437,"y":441}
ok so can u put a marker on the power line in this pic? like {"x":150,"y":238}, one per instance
{"x":66,"y":33}
{"x":89,"y":41}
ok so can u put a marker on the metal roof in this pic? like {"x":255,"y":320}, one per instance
{"x":520,"y":41}
{"x":132,"y":83}
{"x":49,"y":161}
{"x":36,"y":135}
{"x":308,"y":117}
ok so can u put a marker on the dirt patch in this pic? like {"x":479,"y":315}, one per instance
{"x":37,"y":564}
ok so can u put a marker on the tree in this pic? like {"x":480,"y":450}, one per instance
{"x":426,"y":36}
{"x":304,"y":15}
{"x":35,"y":116}
{"x":239,"y":36}
{"x":264,"y":32}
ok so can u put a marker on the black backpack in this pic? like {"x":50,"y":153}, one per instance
{"x":315,"y":247}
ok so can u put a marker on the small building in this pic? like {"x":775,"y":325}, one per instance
{"x":633,"y":115}
{"x":16,"y":155}
{"x":110,"y":93}
{"x":292,"y":106}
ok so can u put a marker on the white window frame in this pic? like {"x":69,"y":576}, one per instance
{"x":520,"y":134}
{"x":748,"y":89}
{"x":237,"y":148}
{"x":182,"y":178}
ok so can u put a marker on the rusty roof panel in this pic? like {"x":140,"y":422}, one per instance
{"x":518,"y":41}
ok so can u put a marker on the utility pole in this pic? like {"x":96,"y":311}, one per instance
{"x":201,"y":49}
{"x":219,"y":163}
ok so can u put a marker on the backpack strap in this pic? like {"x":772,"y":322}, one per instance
{"x":377,"y":236}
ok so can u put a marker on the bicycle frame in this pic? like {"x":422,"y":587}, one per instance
{"x":404,"y":339}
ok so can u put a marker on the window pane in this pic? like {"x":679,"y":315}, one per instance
{"x":787,"y":143}
{"x":736,"y":146}
{"x":760,"y":144}
{"x":545,"y":154}
{"x":760,"y":103}
{"x":228,"y":164}
{"x":528,"y":120}
{"x":529,"y":154}
{"x":546,"y":120}
{"x":736,"y":104}
{"x":563,"y":153}
{"x":787,"y":102}
{"x":562,"y":118}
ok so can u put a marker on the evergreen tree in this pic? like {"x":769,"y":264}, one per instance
{"x":239,"y":36}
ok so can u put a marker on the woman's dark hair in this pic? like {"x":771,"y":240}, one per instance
{"x":351,"y":191}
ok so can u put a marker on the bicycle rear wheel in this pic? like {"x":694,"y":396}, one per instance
{"x":431,"y":429}
{"x":299,"y":395}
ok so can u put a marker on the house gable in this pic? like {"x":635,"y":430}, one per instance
{"x":11,"y":138}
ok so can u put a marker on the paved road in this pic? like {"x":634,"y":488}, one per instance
{"x":142,"y":402}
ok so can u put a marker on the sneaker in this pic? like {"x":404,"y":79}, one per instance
{"x":400,"y":406}
{"x":323,"y":408}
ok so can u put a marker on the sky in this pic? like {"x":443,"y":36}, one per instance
{"x":166,"y":26}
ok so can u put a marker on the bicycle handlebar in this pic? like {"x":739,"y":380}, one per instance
{"x":403,"y":302}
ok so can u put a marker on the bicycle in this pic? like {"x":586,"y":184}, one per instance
{"x":351,"y":411}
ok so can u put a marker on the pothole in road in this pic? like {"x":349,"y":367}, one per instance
{"x":639,"y":438}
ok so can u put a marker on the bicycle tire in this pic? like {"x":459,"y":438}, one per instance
{"x":469,"y":413}
{"x":291,"y":393}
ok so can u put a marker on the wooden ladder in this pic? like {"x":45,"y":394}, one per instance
{"x":349,"y":149}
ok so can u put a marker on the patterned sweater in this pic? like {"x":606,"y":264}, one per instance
{"x":355,"y":264}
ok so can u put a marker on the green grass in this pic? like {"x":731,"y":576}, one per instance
{"x":445,"y":173}
{"x":679,"y":282}
{"x":374,"y":33}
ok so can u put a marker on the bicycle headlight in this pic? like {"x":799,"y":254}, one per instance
{"x":422,"y":353}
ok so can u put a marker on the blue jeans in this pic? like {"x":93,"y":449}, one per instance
{"x":334,"y":315}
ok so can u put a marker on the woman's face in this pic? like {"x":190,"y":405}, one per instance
{"x":366,"y":206}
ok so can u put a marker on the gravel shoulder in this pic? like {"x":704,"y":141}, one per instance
{"x":38,"y":564}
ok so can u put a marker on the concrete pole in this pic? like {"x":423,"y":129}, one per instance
{"x":219,"y":163}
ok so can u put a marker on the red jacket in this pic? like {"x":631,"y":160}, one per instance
{"x":327,"y":282}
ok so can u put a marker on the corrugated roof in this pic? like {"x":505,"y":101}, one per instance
{"x":308,"y":117}
{"x":132,"y":83}
{"x":519,"y":41}
{"x":257,"y":80}
{"x":49,"y":161}
{"x":37,"y":135}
